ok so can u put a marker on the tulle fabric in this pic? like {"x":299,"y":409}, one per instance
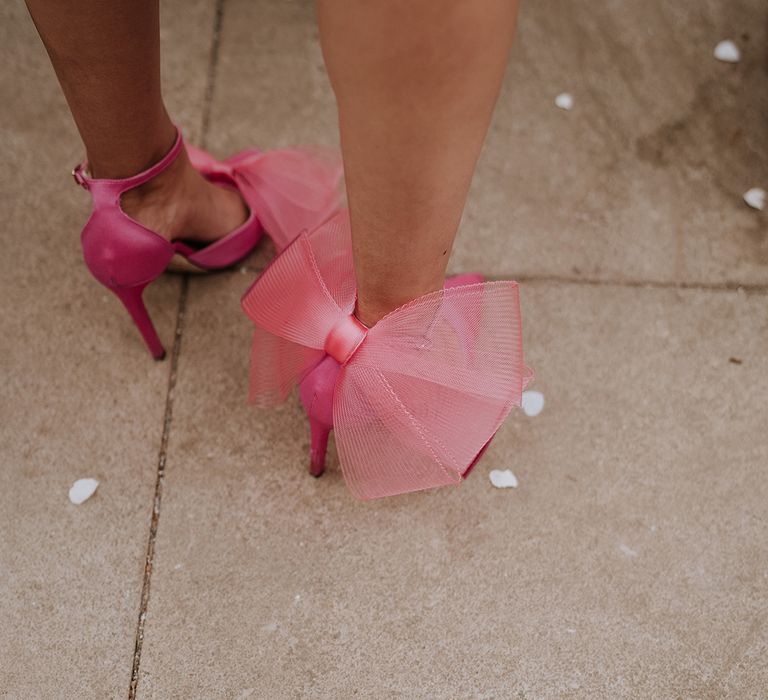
{"x":426,"y":389}
{"x":290,"y":190}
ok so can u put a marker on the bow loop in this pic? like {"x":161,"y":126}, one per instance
{"x":304,"y":299}
{"x":427,"y":390}
{"x":290,"y":190}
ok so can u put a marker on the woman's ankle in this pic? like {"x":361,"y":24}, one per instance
{"x":371,"y":307}
{"x":117,"y":159}
{"x":181,"y":203}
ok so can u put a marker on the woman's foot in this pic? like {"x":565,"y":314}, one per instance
{"x":180,"y":203}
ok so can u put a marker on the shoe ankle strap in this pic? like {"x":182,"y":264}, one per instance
{"x":87,"y":182}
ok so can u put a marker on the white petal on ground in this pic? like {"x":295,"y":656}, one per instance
{"x":755,"y":198}
{"x":627,"y":551}
{"x":533,"y":402}
{"x":564,"y":100}
{"x":727,"y":51}
{"x":82,"y":490}
{"x":503,"y":479}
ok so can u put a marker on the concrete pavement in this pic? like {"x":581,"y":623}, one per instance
{"x":631,"y":561}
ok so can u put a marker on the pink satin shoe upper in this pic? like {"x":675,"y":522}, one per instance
{"x":285,"y":190}
{"x":417,"y":396}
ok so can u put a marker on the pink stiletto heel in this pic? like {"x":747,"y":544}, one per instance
{"x":131,"y":298}
{"x":413,"y":401}
{"x":319,"y":433}
{"x":286,"y":188}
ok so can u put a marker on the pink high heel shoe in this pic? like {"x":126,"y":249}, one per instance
{"x":285,"y":191}
{"x":415,"y":400}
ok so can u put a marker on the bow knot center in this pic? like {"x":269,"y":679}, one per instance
{"x":345,"y":338}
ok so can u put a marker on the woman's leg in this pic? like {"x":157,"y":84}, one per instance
{"x":416,"y":82}
{"x":106,"y":54}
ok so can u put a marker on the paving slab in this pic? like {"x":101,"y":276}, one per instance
{"x":630,"y":561}
{"x":81,"y":396}
{"x":643,"y":178}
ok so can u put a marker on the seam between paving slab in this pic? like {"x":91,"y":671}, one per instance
{"x":596,"y":282}
{"x":159,"y":480}
{"x":175,"y":354}
{"x":649,"y":284}
{"x":213,"y":63}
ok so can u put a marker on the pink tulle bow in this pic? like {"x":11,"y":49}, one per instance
{"x":419,"y":394}
{"x":290,"y":190}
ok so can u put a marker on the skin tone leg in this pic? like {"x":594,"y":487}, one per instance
{"x":416,"y":82}
{"x":106,"y":55}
